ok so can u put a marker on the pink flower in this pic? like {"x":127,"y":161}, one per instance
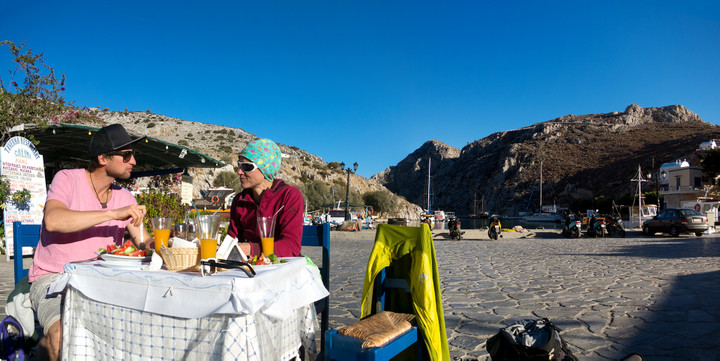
{"x":62,"y":88}
{"x":14,"y":83}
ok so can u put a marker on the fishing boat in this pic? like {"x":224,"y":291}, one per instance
{"x":642,"y":212}
{"x":482,"y":214}
{"x":543,"y":217}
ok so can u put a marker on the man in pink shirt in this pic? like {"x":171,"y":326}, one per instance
{"x":84,"y":211}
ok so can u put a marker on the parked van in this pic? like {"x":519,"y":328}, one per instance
{"x":709,"y":207}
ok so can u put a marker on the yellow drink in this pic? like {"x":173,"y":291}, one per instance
{"x":208,"y":248}
{"x":268,"y":245}
{"x":161,"y":238}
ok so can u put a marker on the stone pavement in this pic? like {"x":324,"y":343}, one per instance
{"x":657,"y":296}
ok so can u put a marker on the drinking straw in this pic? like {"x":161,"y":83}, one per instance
{"x":278,"y":211}
{"x":196,"y":211}
{"x":142,"y":233}
{"x":216,"y":211}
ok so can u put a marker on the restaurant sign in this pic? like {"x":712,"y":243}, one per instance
{"x":23,"y":167}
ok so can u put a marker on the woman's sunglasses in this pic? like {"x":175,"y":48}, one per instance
{"x":213,"y":264}
{"x":126,"y":155}
{"x":247,"y":167}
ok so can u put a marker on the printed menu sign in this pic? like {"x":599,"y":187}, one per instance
{"x":23,"y":167}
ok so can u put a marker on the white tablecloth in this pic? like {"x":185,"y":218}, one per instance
{"x":275,"y":291}
{"x":162,"y":315}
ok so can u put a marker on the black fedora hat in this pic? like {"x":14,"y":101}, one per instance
{"x":109,"y":138}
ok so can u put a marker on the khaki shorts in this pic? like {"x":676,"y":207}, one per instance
{"x":47,"y":308}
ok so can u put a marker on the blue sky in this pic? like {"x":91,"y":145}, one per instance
{"x":371,"y":81}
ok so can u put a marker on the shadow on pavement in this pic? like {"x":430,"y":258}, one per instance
{"x":666,"y":247}
{"x":684,"y":326}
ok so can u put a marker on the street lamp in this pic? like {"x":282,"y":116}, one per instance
{"x":656,"y":178}
{"x":347,"y":191}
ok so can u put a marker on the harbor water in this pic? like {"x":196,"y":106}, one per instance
{"x":482,"y":223}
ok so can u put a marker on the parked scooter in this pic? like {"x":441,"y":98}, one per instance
{"x":573,"y":226}
{"x":454,"y":227}
{"x":615,"y":227}
{"x":427,"y":218}
{"x":597,"y":226}
{"x":494,"y":228}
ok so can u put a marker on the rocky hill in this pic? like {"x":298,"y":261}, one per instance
{"x":224,"y":143}
{"x":582,"y":156}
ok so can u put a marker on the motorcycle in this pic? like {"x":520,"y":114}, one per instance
{"x":597,"y":226}
{"x":494,"y":228}
{"x":427,"y":218}
{"x":615,"y":227}
{"x":573,"y":226}
{"x":454,"y":227}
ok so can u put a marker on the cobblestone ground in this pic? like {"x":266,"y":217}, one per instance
{"x":657,"y":296}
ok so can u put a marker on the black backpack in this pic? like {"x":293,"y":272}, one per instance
{"x":529,"y":340}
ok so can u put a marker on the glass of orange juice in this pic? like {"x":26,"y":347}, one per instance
{"x":266,"y":229}
{"x":161,"y":231}
{"x":207,"y":232}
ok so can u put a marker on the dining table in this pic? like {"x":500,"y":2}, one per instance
{"x":112,"y":312}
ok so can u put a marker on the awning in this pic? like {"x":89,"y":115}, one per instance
{"x":70,"y":142}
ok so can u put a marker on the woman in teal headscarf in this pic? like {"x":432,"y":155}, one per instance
{"x":264,"y":195}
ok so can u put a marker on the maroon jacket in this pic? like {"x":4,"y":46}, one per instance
{"x":288,"y":224}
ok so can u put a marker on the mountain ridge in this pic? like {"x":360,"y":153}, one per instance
{"x":583,"y":156}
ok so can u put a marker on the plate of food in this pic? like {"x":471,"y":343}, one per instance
{"x":124,"y":265}
{"x":127,"y":253}
{"x":266,"y":262}
{"x":113,"y":258}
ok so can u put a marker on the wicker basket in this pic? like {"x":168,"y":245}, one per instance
{"x":181,"y":259}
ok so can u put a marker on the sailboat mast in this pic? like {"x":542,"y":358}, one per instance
{"x":475,"y":204}
{"x":541,"y":181}
{"x":640,"y":179}
{"x":428,"y":185}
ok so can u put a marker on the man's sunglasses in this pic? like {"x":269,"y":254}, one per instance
{"x":247,"y":167}
{"x":126,"y":155}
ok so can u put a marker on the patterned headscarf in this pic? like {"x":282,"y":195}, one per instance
{"x":266,"y":154}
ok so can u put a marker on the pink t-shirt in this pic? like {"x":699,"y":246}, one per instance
{"x":55,"y":249}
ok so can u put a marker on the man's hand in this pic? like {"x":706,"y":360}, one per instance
{"x":60,"y":219}
{"x":136,"y":212}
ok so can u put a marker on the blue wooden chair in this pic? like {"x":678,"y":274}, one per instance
{"x":319,"y":236}
{"x":341,"y":347}
{"x":390,"y":267}
{"x":24,"y":235}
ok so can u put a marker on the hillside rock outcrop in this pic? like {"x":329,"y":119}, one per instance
{"x":582,"y":156}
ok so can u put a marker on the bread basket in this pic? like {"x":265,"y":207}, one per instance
{"x":181,"y":258}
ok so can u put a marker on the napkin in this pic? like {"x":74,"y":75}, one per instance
{"x":224,"y":251}
{"x":156,"y":262}
{"x":181,"y":243}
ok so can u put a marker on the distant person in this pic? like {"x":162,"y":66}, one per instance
{"x":84,"y":211}
{"x":264,"y":195}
